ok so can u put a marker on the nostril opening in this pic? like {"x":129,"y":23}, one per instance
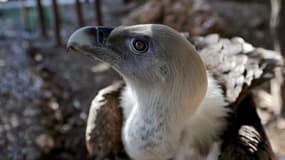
{"x":103,"y":33}
{"x":101,"y":36}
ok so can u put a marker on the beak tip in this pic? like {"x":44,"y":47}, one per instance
{"x":70,"y":47}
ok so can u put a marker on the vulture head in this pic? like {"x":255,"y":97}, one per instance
{"x":140,"y":55}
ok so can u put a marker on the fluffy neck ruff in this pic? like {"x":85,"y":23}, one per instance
{"x":205,"y":126}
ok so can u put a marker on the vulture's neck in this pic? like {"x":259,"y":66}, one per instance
{"x":170,"y":103}
{"x":167,"y":116}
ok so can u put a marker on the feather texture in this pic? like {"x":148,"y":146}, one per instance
{"x":236,"y":66}
{"x":103,"y":132}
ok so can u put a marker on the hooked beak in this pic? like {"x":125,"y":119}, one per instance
{"x":89,"y":40}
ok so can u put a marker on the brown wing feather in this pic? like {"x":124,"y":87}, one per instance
{"x":235,"y":64}
{"x":245,"y":137}
{"x":103,"y":132}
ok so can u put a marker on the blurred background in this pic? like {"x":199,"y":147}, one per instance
{"x":45,"y":93}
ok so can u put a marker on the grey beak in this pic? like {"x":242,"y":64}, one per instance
{"x":89,"y":37}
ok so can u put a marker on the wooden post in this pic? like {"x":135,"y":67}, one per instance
{"x":41,"y":18}
{"x":56,"y":23}
{"x":276,"y":84}
{"x":24,"y":15}
{"x":79,"y":13}
{"x":283,"y":98}
{"x":281,"y":33}
{"x":97,"y":7}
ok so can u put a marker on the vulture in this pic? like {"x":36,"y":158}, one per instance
{"x":181,"y":98}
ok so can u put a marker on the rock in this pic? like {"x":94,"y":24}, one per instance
{"x":2,"y":63}
{"x":45,"y":142}
{"x":281,"y":124}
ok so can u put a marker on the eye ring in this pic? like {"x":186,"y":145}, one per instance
{"x":139,"y":45}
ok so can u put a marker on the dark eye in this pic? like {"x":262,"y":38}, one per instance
{"x":139,"y":45}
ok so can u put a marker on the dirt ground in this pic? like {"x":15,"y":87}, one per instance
{"x":45,"y":93}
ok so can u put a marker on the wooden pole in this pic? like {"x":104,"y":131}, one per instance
{"x":41,"y":18}
{"x":283,"y":98}
{"x":281,"y":33}
{"x":24,"y":15}
{"x":80,"y":18}
{"x":97,"y":7}
{"x":56,"y":23}
{"x":276,"y":84}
